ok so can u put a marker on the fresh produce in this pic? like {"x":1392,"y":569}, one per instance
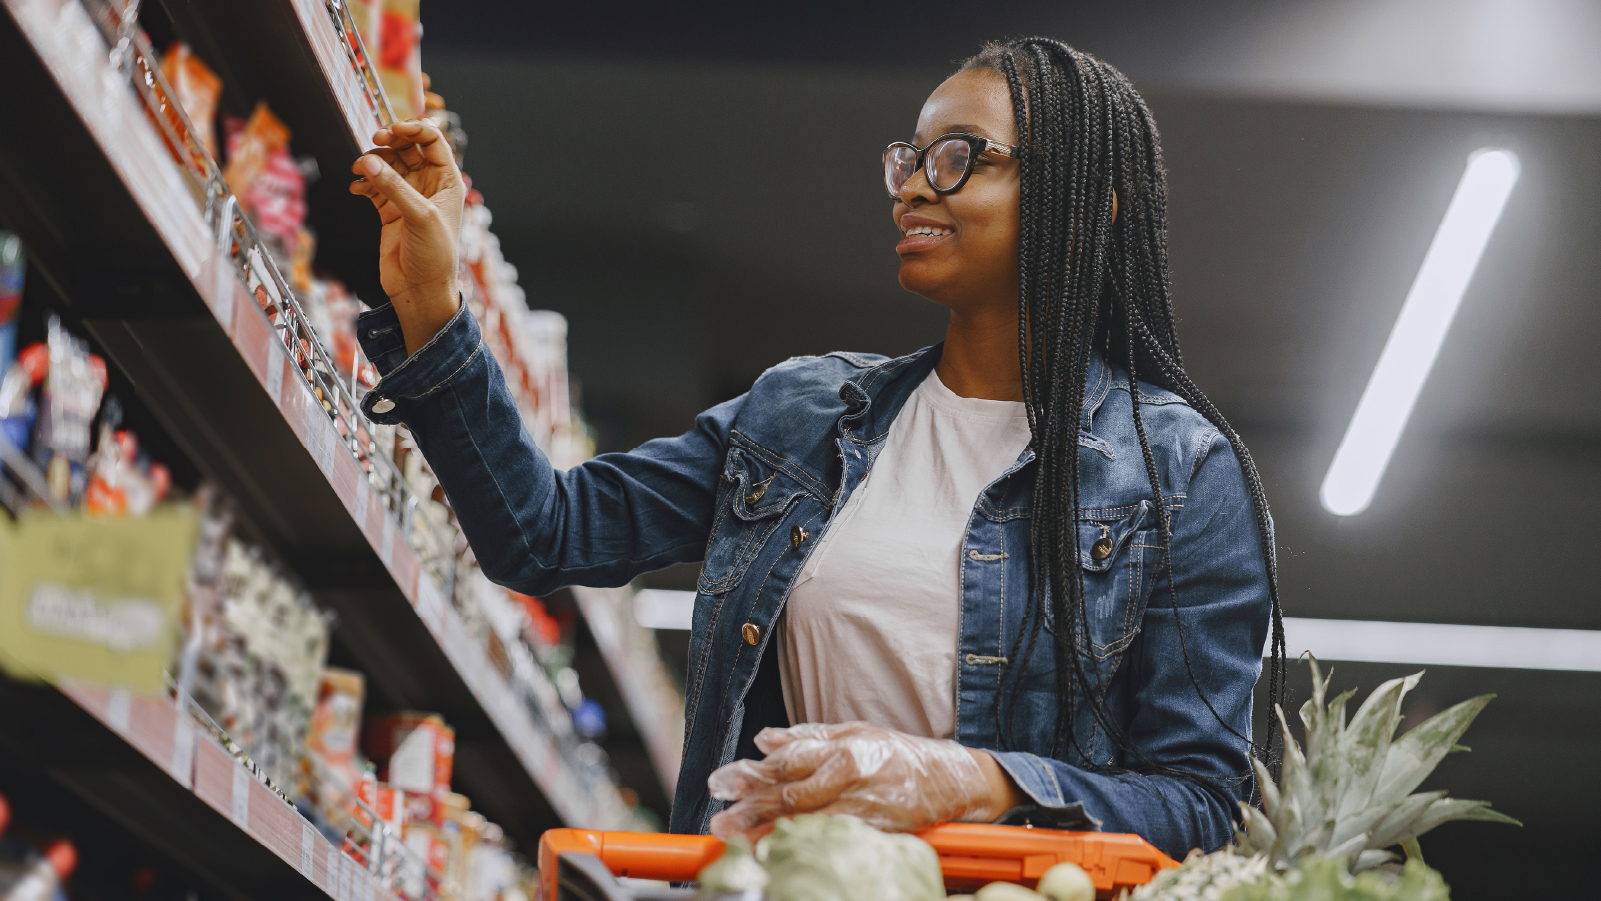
{"x":819,"y":857}
{"x":1067,"y":882}
{"x":737,"y":871}
{"x":1328,"y":879}
{"x":1347,"y":799}
{"x":1006,"y":891}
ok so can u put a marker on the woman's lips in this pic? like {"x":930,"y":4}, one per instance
{"x":917,"y":243}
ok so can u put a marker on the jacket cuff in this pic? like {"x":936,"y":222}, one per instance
{"x":405,"y":381}
{"x":1049,"y":807}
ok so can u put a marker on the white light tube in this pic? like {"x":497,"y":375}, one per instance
{"x":1415,"y":341}
{"x":1441,"y":644}
{"x":656,"y":608}
{"x":1364,"y":641}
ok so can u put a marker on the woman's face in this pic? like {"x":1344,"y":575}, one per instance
{"x":971,"y":260}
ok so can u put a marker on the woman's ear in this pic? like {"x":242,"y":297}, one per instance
{"x":1114,"y":204}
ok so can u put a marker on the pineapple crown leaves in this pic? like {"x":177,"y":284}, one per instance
{"x":1348,"y":795}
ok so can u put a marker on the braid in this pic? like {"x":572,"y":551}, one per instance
{"x":1084,"y":131}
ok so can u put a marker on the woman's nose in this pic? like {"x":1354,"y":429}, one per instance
{"x":916,"y":190}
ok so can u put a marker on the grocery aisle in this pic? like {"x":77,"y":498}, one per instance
{"x":313,"y":679}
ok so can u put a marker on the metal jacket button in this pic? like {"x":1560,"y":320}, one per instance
{"x":798,"y":536}
{"x":750,"y":633}
{"x":1102,"y":548}
{"x":383,"y":405}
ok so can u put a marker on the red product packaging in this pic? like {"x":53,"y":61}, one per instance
{"x":388,"y":802}
{"x":416,"y":752}
{"x":252,"y":149}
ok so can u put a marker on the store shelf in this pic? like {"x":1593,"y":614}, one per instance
{"x":153,"y":773}
{"x":288,"y":53}
{"x":115,"y":227}
{"x":655,"y":704}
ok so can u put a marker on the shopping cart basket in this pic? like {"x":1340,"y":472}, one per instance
{"x":581,"y":865}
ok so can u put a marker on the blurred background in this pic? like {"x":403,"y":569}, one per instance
{"x":640,"y":161}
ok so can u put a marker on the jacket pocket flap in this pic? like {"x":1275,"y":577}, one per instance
{"x":1102,"y":538}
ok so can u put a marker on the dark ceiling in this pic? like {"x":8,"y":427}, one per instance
{"x":636,"y":157}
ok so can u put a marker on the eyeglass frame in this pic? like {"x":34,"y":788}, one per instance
{"x":978,"y":143}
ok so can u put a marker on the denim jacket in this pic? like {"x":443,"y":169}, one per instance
{"x":752,"y":488}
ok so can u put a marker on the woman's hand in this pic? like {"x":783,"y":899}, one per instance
{"x":894,"y":781}
{"x":413,"y":181}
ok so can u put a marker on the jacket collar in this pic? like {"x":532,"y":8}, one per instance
{"x":874,"y":397}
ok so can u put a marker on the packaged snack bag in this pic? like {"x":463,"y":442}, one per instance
{"x":251,"y":150}
{"x":72,"y":390}
{"x":197,"y":88}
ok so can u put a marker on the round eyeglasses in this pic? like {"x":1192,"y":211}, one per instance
{"x":947,"y":161}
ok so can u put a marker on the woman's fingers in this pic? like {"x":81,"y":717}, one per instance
{"x":382,"y":180}
{"x":419,"y":134}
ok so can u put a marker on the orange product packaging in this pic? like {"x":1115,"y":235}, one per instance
{"x":336,"y":725}
{"x":416,"y":753}
{"x":263,"y":136}
{"x":400,"y":56}
{"x":197,"y":89}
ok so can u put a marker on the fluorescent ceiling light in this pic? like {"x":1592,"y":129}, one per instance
{"x":1442,"y":644}
{"x":659,"y":609}
{"x":1364,"y":641}
{"x":1419,"y":331}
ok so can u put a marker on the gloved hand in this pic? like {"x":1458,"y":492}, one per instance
{"x":894,"y":781}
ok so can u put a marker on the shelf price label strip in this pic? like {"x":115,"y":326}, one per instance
{"x":223,"y":783}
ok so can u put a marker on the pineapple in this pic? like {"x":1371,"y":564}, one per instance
{"x":1348,"y":797}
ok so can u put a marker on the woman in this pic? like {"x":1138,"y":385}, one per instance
{"x":1024,"y":572}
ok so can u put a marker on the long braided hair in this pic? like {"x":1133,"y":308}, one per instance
{"x":1090,"y":284}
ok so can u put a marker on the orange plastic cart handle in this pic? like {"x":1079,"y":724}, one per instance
{"x":970,"y":855}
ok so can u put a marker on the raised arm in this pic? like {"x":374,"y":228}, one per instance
{"x":532,"y":528}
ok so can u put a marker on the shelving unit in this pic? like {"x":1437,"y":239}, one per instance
{"x":148,"y":769}
{"x":153,"y":261}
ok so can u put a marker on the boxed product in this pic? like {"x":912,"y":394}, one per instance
{"x":415,"y":753}
{"x":400,"y":56}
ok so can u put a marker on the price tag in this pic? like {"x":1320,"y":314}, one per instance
{"x":430,"y":604}
{"x":319,"y":433}
{"x":386,"y":545}
{"x":308,"y":847}
{"x":241,"y":797}
{"x":222,"y":290}
{"x":117,"y":710}
{"x":275,"y":367}
{"x":359,"y":508}
{"x":183,"y":748}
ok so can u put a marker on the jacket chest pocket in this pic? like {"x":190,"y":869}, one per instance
{"x":751,"y":504}
{"x":1121,"y":556}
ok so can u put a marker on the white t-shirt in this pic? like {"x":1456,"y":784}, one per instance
{"x":870,"y":630}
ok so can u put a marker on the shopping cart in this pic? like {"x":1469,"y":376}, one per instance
{"x":582,"y":865}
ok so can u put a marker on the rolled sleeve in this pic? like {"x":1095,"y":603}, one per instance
{"x":405,"y":380}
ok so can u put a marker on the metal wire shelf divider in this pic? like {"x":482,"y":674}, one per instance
{"x":237,"y":239}
{"x":360,"y":60}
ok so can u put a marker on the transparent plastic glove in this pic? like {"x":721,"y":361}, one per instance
{"x":894,"y":781}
